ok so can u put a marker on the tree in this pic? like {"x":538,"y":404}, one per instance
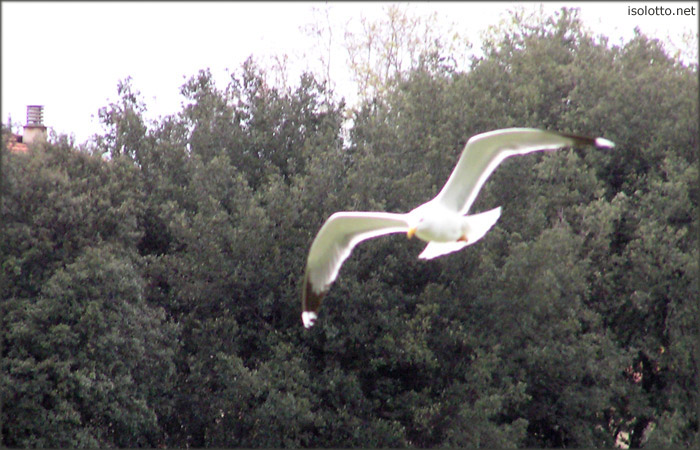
{"x":124,"y":123}
{"x":396,"y":44}
{"x":152,"y":298}
{"x":86,"y":361}
{"x":581,"y":192}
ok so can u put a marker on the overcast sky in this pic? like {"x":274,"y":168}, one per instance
{"x":69,"y":56}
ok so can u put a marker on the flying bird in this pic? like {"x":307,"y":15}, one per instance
{"x":442,"y":222}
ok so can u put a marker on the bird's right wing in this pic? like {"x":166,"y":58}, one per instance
{"x":332,"y":246}
{"x":484,"y":152}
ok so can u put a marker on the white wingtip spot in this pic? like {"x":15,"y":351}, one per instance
{"x":602,"y":142}
{"x":309,"y":318}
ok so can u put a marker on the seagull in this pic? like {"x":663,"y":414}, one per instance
{"x":442,"y":222}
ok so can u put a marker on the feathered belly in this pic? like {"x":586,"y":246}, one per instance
{"x":440,"y":228}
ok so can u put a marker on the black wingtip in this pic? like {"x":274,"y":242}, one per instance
{"x":310,"y":303}
{"x":582,"y":141}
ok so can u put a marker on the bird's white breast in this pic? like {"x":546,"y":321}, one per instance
{"x":440,"y":225}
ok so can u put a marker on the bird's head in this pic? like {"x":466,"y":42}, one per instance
{"x":415,"y":226}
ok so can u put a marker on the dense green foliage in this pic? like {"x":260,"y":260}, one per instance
{"x":150,"y":281}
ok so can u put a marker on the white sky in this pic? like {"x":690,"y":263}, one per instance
{"x":69,"y":56}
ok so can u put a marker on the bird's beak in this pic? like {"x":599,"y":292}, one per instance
{"x":411,"y":231}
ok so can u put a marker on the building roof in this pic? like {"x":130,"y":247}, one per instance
{"x":15,"y":144}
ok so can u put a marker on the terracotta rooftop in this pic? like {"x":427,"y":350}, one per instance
{"x":34,"y":131}
{"x":15,"y":144}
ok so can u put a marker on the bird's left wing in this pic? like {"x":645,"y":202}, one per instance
{"x":332,"y":246}
{"x":484,"y":152}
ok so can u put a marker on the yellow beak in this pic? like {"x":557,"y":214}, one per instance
{"x":411,"y":231}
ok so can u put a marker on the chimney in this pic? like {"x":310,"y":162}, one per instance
{"x":34,"y":130}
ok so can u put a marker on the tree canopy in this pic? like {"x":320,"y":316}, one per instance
{"x":150,"y":280}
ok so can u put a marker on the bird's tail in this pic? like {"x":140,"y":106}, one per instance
{"x":435,"y":249}
{"x":479,"y":224}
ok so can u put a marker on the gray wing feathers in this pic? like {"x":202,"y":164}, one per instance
{"x":484,"y":152}
{"x":339,"y":235}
